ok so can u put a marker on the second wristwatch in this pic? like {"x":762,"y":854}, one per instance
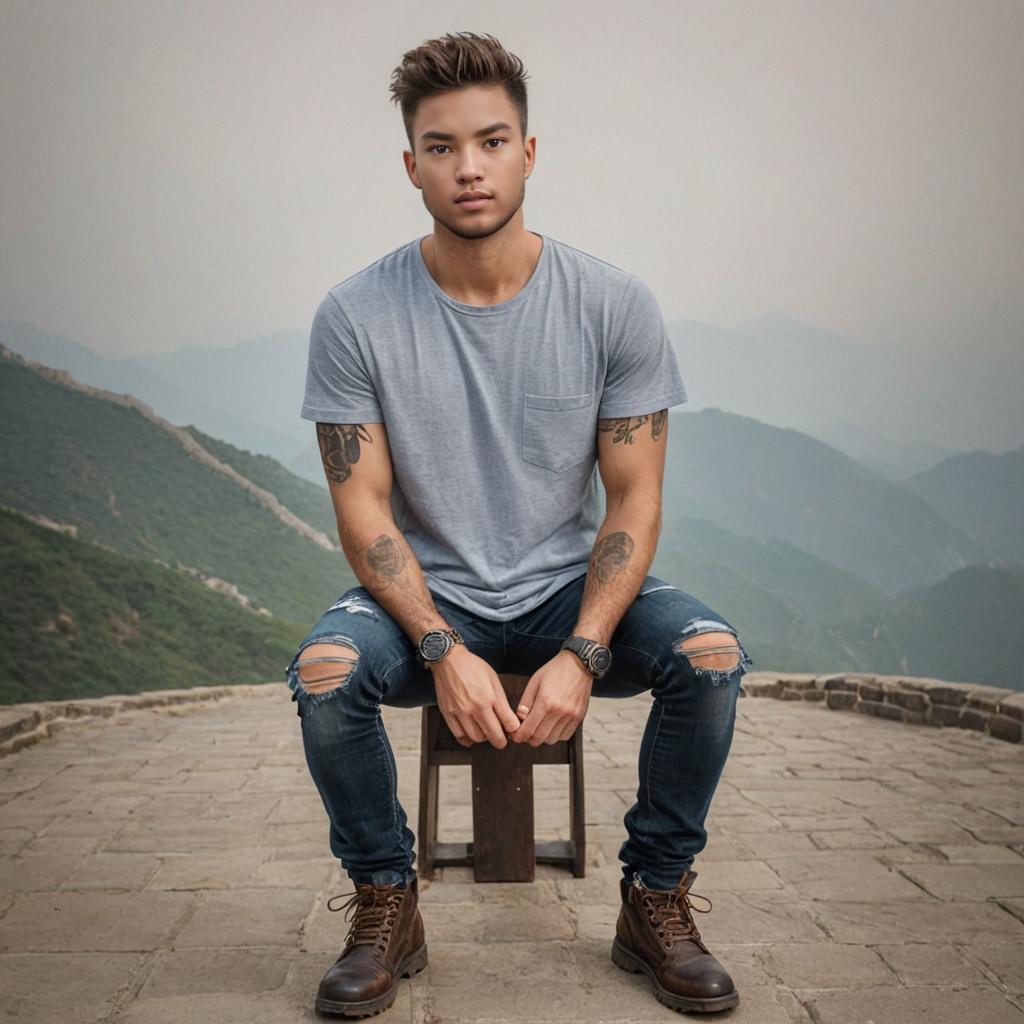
{"x":596,"y":658}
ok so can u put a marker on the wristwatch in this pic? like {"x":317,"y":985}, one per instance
{"x":596,"y":658}
{"x":435,"y":644}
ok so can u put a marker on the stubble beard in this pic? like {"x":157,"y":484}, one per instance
{"x":483,"y":230}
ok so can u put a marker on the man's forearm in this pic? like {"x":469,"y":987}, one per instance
{"x":386,"y":565}
{"x":623,"y":552}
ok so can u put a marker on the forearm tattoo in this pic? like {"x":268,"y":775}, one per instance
{"x":626,"y":427}
{"x":339,"y":448}
{"x":610,"y":557}
{"x":386,"y":559}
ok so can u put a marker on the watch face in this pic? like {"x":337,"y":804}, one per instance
{"x":434,"y":644}
{"x":601,"y":659}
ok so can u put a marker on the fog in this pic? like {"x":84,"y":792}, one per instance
{"x":194,"y":173}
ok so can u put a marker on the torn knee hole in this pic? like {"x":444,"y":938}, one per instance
{"x":719,"y":651}
{"x":325,"y":666}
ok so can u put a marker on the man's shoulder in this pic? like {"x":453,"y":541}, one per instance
{"x":382,"y":273}
{"x":588,"y":266}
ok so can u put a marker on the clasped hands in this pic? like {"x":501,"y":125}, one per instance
{"x":473,"y":701}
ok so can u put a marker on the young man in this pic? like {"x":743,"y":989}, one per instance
{"x":465,"y":386}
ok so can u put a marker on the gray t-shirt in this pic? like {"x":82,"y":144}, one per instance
{"x":491,"y":411}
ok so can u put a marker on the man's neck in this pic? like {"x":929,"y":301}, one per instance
{"x":482,"y":271}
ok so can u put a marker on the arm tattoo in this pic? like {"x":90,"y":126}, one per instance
{"x":339,"y":448}
{"x":658,"y":421}
{"x":626,"y":426}
{"x":610,"y":556}
{"x":386,"y":559}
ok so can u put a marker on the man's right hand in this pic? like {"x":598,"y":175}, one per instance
{"x":472,"y":699}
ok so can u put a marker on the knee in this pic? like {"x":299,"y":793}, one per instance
{"x":713,"y":649}
{"x":322,"y":667}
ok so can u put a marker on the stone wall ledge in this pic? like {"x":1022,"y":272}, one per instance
{"x":993,"y":710}
{"x":21,"y":725}
{"x":915,"y":700}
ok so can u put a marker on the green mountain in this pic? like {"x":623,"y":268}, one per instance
{"x":965,"y":627}
{"x":260,"y":410}
{"x":763,"y":481}
{"x":309,"y":501}
{"x":126,"y":479}
{"x":784,"y":603}
{"x":79,"y":620}
{"x":981,"y":494}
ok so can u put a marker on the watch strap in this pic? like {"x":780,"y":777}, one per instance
{"x":582,"y":648}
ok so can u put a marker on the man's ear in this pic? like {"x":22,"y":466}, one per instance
{"x":410,"y":168}
{"x":530,"y":154}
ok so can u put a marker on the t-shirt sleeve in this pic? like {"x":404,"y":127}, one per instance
{"x":643,"y":372}
{"x":339,"y":388}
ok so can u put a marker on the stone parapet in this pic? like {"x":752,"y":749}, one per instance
{"x":993,"y":710}
{"x":24,"y":724}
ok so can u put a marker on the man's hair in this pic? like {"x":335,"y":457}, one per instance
{"x":452,"y":62}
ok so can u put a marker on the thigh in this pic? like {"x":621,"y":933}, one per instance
{"x":353,"y":629}
{"x":661,"y":621}
{"x":387,"y":670}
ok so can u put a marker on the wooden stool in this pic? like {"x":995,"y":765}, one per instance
{"x":503,"y":847}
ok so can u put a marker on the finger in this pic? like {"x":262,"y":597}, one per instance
{"x":545,"y":729}
{"x":506,"y":717}
{"x":471,"y":729}
{"x":492,"y":728}
{"x":452,"y":721}
{"x":529,"y":725}
{"x":525,"y":706}
{"x":568,"y":729}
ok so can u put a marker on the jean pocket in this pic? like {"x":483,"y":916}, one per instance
{"x":559,"y":431}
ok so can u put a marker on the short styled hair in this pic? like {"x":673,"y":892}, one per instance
{"x":454,"y":61}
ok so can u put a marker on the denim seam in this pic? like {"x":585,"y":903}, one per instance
{"x":392,"y":785}
{"x":387,"y":672}
{"x":646,"y":795}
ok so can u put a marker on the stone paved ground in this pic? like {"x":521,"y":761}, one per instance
{"x":171,"y":865}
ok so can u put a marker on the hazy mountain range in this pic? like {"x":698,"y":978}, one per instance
{"x":822,"y":563}
{"x":885,"y":407}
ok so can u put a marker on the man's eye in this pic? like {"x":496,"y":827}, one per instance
{"x":500,"y":141}
{"x":440,"y":145}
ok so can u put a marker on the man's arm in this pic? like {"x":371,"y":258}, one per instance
{"x":631,"y":459}
{"x":357,"y":463}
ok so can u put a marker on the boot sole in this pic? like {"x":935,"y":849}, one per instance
{"x":408,"y":968}
{"x":628,"y":961}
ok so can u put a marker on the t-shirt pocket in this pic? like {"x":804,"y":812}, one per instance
{"x":559,"y":431}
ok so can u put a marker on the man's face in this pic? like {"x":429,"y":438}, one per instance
{"x":469,"y":141}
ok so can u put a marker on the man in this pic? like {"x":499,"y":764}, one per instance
{"x":464,"y":387}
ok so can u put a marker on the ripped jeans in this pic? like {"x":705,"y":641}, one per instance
{"x":682,"y":752}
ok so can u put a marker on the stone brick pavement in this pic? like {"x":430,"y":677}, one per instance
{"x":171,"y":865}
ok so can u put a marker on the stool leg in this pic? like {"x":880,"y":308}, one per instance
{"x":577,"y":816}
{"x":428,"y":804}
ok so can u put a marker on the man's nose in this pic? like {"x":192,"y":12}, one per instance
{"x":469,"y":168}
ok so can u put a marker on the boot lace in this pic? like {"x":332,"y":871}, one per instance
{"x":373,"y":909}
{"x":671,"y":913}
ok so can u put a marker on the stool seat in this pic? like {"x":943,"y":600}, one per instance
{"x":503,"y":848}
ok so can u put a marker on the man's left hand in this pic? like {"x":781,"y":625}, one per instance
{"x":554,"y":702}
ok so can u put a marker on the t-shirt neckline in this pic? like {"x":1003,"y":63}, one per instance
{"x":500,"y":307}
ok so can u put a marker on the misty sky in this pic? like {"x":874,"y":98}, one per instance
{"x":201,"y":172}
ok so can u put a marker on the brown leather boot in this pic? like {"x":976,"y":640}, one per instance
{"x":386,"y":942}
{"x":656,"y":934}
